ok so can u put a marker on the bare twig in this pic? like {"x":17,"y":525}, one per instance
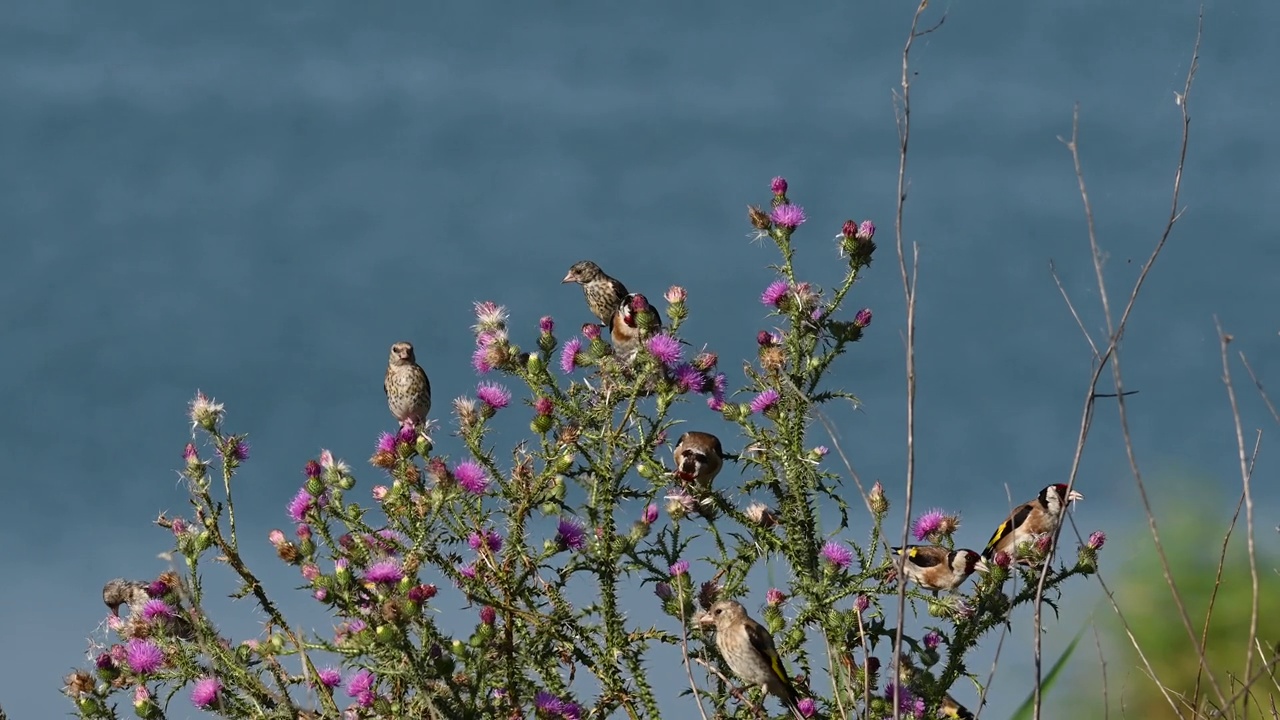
{"x":1102,"y":663}
{"x":1261,"y":390}
{"x":684,"y":651}
{"x":903,"y":116}
{"x":835,"y":442}
{"x":1245,"y":478}
{"x":1115,"y":333}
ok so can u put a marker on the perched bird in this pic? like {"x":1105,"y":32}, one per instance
{"x":407,"y":387}
{"x":119,"y":592}
{"x":627,"y":330}
{"x":935,"y":568}
{"x":699,"y":458}
{"x":952,"y":709}
{"x":604,"y":294}
{"x":748,"y":649}
{"x":1041,"y":515}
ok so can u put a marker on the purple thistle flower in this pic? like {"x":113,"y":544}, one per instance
{"x":240,"y":450}
{"x":569,"y":355}
{"x":837,"y":554}
{"x":650,"y":515}
{"x":488,"y":538}
{"x":778,"y":185}
{"x":143,"y":656}
{"x":773,"y":295}
{"x":156,"y":609}
{"x":104,"y":662}
{"x":927,"y":524}
{"x":570,"y":711}
{"x":480,"y":360}
{"x":675,"y":294}
{"x":548,"y":703}
{"x":360,"y":687}
{"x":493,"y":395}
{"x":468,"y":571}
{"x":320,"y":594}
{"x":665,"y":349}
{"x":190,"y":455}
{"x":866,"y":230}
{"x":849,"y":229}
{"x":788,"y":216}
{"x":765,"y":400}
{"x":407,"y":435}
{"x":544,"y":406}
{"x":689,"y":379}
{"x":546,"y":324}
{"x":571,"y":534}
{"x":663,"y":591}
{"x":679,"y":567}
{"x":861,"y":603}
{"x":807,"y":707}
{"x":157,"y":588}
{"x":591,"y":331}
{"x":1097,"y":539}
{"x":386,"y":442}
{"x":312,"y":469}
{"x":471,"y":477}
{"x":931,"y":640}
{"x":775,"y":597}
{"x":301,"y":504}
{"x":205,"y":692}
{"x":862,"y":318}
{"x":488,"y":615}
{"x":329,"y":677}
{"x":386,"y":572}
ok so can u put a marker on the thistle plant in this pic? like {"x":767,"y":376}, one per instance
{"x":542,"y":544}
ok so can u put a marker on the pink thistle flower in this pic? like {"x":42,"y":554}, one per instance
{"x":675,"y":294}
{"x":489,"y":317}
{"x":862,"y":318}
{"x":205,"y":692}
{"x":488,"y":615}
{"x":650,"y":514}
{"x":861,"y":603}
{"x":386,"y":572}
{"x":488,"y":538}
{"x":544,"y":406}
{"x":1003,"y":560}
{"x":866,"y":230}
{"x":679,"y":567}
{"x":301,"y":504}
{"x":931,"y":640}
{"x":689,"y":379}
{"x":310,"y":573}
{"x":480,"y":360}
{"x":775,"y":597}
{"x":778,"y":185}
{"x":665,"y":349}
{"x":360,"y":687}
{"x":591,"y":331}
{"x":927,"y":524}
{"x":807,"y":707}
{"x":380,"y":492}
{"x":837,"y":554}
{"x":569,"y":355}
{"x":386,"y":442}
{"x":493,"y":395}
{"x":1097,"y":539}
{"x":143,"y":656}
{"x":788,"y":216}
{"x":329,"y":677}
{"x":546,"y":324}
{"x":312,"y":469}
{"x":471,"y":477}
{"x":849,"y":229}
{"x":154,"y":609}
{"x":774,"y":293}
{"x":275,"y":537}
{"x":765,"y":401}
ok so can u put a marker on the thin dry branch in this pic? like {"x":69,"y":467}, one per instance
{"x":1115,"y":333}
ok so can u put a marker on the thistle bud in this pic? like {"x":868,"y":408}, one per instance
{"x":876,"y":499}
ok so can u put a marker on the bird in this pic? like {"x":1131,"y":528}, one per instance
{"x":119,"y":592}
{"x":627,"y":330}
{"x":407,"y":387}
{"x":698,"y":457}
{"x":952,"y":709}
{"x":604,"y":294}
{"x":935,"y":568}
{"x":748,"y":649}
{"x":1035,"y":517}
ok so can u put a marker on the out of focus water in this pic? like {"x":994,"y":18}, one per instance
{"x":257,"y":201}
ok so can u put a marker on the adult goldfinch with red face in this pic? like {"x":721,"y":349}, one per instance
{"x":699,"y":457}
{"x":629,"y":328}
{"x":748,"y":650}
{"x":1036,"y":517}
{"x":936,"y":568}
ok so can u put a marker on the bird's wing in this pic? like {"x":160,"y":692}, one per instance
{"x":762,"y":641}
{"x":921,"y":558}
{"x":1017,"y":518}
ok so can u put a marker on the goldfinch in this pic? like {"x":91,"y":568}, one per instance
{"x":748,"y":649}
{"x":1036,"y":517}
{"x":629,"y":330}
{"x":119,"y":592}
{"x":935,"y":568}
{"x":952,"y":709}
{"x":699,"y":457}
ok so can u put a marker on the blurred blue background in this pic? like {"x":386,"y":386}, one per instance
{"x":258,"y":199}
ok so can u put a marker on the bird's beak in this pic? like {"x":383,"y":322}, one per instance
{"x":1073,"y":496}
{"x":115,"y":611}
{"x":568,"y":278}
{"x":981,"y":566}
{"x":703,"y":618}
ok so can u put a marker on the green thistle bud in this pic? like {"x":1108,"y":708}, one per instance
{"x":385,"y":633}
{"x":424,"y":446}
{"x":315,"y":487}
{"x":542,"y":424}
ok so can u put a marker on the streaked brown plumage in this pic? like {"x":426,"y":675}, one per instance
{"x":935,"y":568}
{"x":119,"y":592}
{"x":407,"y":387}
{"x":749,"y":651}
{"x":627,"y":331}
{"x":698,"y":457}
{"x":602,"y":292}
{"x":1043,"y":514}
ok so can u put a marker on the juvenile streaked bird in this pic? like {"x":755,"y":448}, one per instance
{"x":603,"y":293}
{"x":1043,"y":514}
{"x":628,"y":331}
{"x":749,"y":651}
{"x":699,"y":458}
{"x":407,"y":387}
{"x":119,"y":592}
{"x":936,"y":568}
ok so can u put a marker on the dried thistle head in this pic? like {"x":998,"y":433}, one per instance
{"x":760,"y":514}
{"x":759,"y":218}
{"x":773,"y":358}
{"x":78,"y":684}
{"x":708,"y":593}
